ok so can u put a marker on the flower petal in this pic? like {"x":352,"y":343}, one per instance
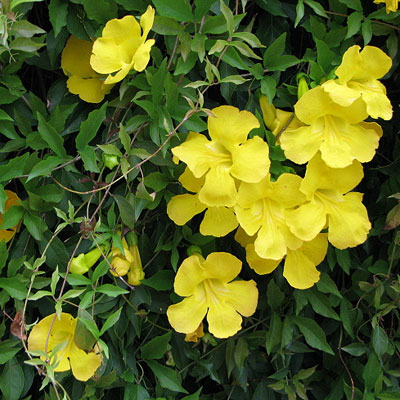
{"x":91,"y":90}
{"x":77,"y":49}
{"x":147,"y":20}
{"x":378,"y":104}
{"x":223,"y":320}
{"x":261,"y":265}
{"x":348,"y":222}
{"x":218,"y":221}
{"x":184,"y":207}
{"x":231,"y":126}
{"x":83,"y":365}
{"x":250,"y":161}
{"x":243,"y":297}
{"x":222,"y":266}
{"x":190,"y":182}
{"x":189,"y":275}
{"x":142,"y":55}
{"x":186,"y":316}
{"x":219,"y":188}
{"x":316,"y":249}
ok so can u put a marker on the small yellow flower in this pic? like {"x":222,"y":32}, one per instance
{"x":83,"y":262}
{"x":12,"y":200}
{"x":217,"y":221}
{"x":208,"y":289}
{"x":60,"y":333}
{"x":135,"y":273}
{"x":123,"y":46}
{"x":391,"y":5}
{"x":227,"y":157}
{"x":358,"y":76}
{"x":196,"y":335}
{"x":83,"y":80}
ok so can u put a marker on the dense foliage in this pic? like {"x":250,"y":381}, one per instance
{"x":193,"y":203}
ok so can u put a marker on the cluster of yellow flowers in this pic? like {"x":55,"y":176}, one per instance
{"x":229,"y":178}
{"x":106,"y":61}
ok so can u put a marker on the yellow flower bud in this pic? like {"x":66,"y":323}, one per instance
{"x":135,"y":273}
{"x":196,"y":335}
{"x":269,"y":112}
{"x":120,"y":263}
{"x":83,"y":262}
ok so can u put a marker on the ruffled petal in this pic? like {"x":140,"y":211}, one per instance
{"x":340,"y":94}
{"x":142,"y":55}
{"x":348,"y":222}
{"x":375,"y":62}
{"x":184,"y":207}
{"x":218,"y":221}
{"x":231,"y":126}
{"x":378,"y":104}
{"x":186,"y":316}
{"x":261,"y":265}
{"x":222,"y":266}
{"x":223,"y":320}
{"x":77,"y":49}
{"x":243,"y":297}
{"x":121,"y":74}
{"x":219,"y":188}
{"x":299,"y":270}
{"x":351,"y":64}
{"x":190,"y":182}
{"x":91,"y":90}
{"x":190,"y":274}
{"x":147,"y":20}
{"x":83,"y":365}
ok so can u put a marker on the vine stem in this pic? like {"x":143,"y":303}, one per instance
{"x":345,"y":365}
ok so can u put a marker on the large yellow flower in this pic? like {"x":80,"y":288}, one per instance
{"x":12,"y":200}
{"x":300,"y":265}
{"x":123,"y":46}
{"x":262,"y":209}
{"x":207,"y":288}
{"x":391,"y":5}
{"x":337,"y":131}
{"x":60,"y":334}
{"x":330,"y":204}
{"x":358,"y":76}
{"x":229,"y":155}
{"x":83,"y":80}
{"x":217,"y":221}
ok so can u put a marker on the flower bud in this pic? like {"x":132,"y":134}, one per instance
{"x":268,"y":111}
{"x":110,"y":161}
{"x":302,"y":87}
{"x":120,"y":263}
{"x":193,"y":249}
{"x":135,"y":273}
{"x":83,"y":262}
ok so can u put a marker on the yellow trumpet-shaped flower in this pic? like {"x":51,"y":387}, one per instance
{"x":12,"y":200}
{"x":391,"y":5}
{"x":300,"y":264}
{"x":229,"y":155}
{"x":358,"y":76}
{"x":330,"y":204}
{"x":208,"y":289}
{"x":217,"y":221}
{"x":56,"y":337}
{"x":83,"y":80}
{"x":262,"y":209}
{"x":123,"y":46}
{"x":337,"y":131}
{"x":135,"y":273}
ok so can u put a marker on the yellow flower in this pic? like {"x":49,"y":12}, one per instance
{"x":337,"y":131}
{"x":262,"y":209}
{"x":66,"y":354}
{"x":83,"y":80}
{"x":358,"y":76}
{"x":217,"y":221}
{"x":207,"y":288}
{"x":12,"y":200}
{"x":196,"y":335}
{"x":229,"y":155}
{"x":300,"y":264}
{"x":127,"y":263}
{"x":123,"y":46}
{"x":330,"y":204}
{"x":391,"y":5}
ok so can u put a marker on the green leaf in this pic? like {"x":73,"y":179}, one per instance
{"x":26,"y":29}
{"x":318,"y":9}
{"x":194,"y":396}
{"x":162,"y":280}
{"x":111,"y":321}
{"x":51,"y":136}
{"x":15,"y":3}
{"x":299,"y":12}
{"x":274,"y":7}
{"x":355,"y":349}
{"x":366,"y":30}
{"x":126,"y":210}
{"x":353,"y":24}
{"x":371,"y":372}
{"x":14,"y":287}
{"x":44,"y":167}
{"x":100,"y":11}
{"x":167,"y":377}
{"x":8,"y":349}
{"x":327,"y":285}
{"x":241,"y":352}
{"x":179,"y":10}
{"x":111,"y":290}
{"x":90,"y":127}
{"x":13,"y":168}
{"x":12,"y":217}
{"x":320,"y":304}
{"x":26,"y":44}
{"x":273,"y":58}
{"x":12,"y":380}
{"x":135,"y":392}
{"x":58,"y":11}
{"x":275,"y":296}
{"x":228,"y":15}
{"x":156,"y":347}
{"x":166,"y":26}
{"x":35,"y":225}
{"x":343,"y":259}
{"x":313,"y":334}
{"x":86,"y":331}
{"x":353,"y":4}
{"x":268,"y":87}
{"x":380,"y":341}
{"x":3,"y":256}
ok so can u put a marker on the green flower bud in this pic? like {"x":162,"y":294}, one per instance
{"x":110,"y":161}
{"x":83,"y":262}
{"x":302,"y":87}
{"x":193,"y":249}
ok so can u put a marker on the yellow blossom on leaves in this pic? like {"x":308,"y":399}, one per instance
{"x":358,"y":76}
{"x":83,"y":80}
{"x":217,"y":221}
{"x":330,"y":205}
{"x":61,"y":346}
{"x":208,"y":289}
{"x":135,"y":273}
{"x":300,"y":265}
{"x":229,"y":155}
{"x":12,"y":200}
{"x":391,"y":5}
{"x":123,"y":46}
{"x":262,"y":209}
{"x":196,"y":335}
{"x":337,"y":131}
